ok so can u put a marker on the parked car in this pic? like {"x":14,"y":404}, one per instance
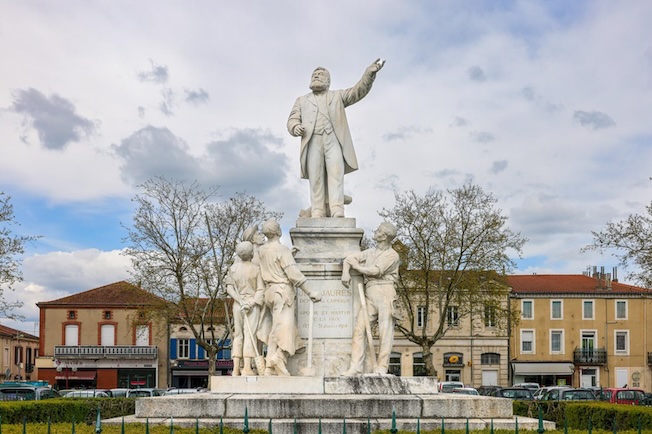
{"x":465,"y":391}
{"x":540,"y":392}
{"x":487,"y":390}
{"x":569,"y":394}
{"x":26,"y":393}
{"x":119,"y":392}
{"x":531,"y":386}
{"x":520,"y":393}
{"x":623,"y":396}
{"x":145,"y":391}
{"x":447,"y":386}
{"x":89,"y":393}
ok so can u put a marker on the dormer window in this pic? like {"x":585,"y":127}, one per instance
{"x":107,"y":314}
{"x":72,"y":314}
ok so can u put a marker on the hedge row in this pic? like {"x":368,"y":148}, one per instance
{"x":64,"y":410}
{"x":578,"y":415}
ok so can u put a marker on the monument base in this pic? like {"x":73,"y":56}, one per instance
{"x":304,"y":412}
{"x":363,"y":385}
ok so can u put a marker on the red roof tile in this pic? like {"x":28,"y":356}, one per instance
{"x":115,"y":294}
{"x":9,"y":332}
{"x":567,"y":284}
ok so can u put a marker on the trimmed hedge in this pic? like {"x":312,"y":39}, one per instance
{"x":64,"y":410}
{"x":601,"y":415}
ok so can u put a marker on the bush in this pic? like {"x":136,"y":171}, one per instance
{"x":601,"y":415}
{"x":65,"y":410}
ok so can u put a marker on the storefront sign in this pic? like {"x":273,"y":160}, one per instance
{"x":453,"y":360}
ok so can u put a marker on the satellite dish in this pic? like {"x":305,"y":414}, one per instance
{"x":8,"y":373}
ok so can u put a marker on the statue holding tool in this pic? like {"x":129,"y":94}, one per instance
{"x":379,"y":267}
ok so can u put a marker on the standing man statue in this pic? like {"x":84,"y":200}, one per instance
{"x":326,"y":146}
{"x":379,"y":267}
{"x":281,"y":276}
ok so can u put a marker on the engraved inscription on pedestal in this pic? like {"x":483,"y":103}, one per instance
{"x":333,"y":316}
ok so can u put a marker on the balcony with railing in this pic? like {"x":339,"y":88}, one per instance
{"x":590,"y":356}
{"x":129,"y":352}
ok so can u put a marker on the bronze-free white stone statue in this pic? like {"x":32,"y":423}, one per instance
{"x":281,"y":276}
{"x":379,"y":267}
{"x":245,"y":285}
{"x":327,"y":151}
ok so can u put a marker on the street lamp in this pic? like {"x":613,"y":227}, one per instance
{"x":68,"y":370}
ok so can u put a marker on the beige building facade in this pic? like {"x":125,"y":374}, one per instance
{"x":19,"y":352}
{"x":580,"y":330}
{"x":103,"y":338}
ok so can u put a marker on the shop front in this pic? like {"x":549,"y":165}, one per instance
{"x":453,"y":365}
{"x":543,"y":373}
{"x":194,"y":373}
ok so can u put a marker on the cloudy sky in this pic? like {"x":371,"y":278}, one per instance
{"x":545,"y":104}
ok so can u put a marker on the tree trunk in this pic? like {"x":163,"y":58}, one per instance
{"x":427,"y":360}
{"x":211,"y":362}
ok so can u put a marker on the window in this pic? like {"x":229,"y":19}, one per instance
{"x":183,"y":349}
{"x":527,"y":341}
{"x":621,"y":309}
{"x":142,"y":335}
{"x":622,"y":341}
{"x":556,"y":309}
{"x":453,"y":316}
{"x":71,"y":337}
{"x":225,"y":352}
{"x":394,"y":367}
{"x":556,"y":341}
{"x":489,"y":315}
{"x":527,"y":311}
{"x":587,"y":309}
{"x":107,"y":314}
{"x":107,"y":335}
{"x":418,"y":366}
{"x":421,"y":316}
{"x":490,"y":359}
{"x":72,"y":314}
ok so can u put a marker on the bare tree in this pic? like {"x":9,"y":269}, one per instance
{"x":173,"y":257}
{"x":11,"y":247}
{"x":455,"y":251}
{"x":631,"y":241}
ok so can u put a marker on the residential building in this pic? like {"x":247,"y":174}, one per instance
{"x":474,"y":350}
{"x":19,"y":351}
{"x":188,"y":360}
{"x":105,"y":337}
{"x":580,"y":330}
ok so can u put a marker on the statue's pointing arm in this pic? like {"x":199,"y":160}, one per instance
{"x":363,"y":86}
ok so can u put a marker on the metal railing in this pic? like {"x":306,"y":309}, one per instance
{"x":105,"y":352}
{"x":590,"y":356}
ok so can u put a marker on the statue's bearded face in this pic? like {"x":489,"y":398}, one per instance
{"x":320,"y":80}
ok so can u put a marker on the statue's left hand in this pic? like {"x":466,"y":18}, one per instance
{"x":315,"y":297}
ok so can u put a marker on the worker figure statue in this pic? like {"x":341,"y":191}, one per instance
{"x":327,"y":151}
{"x":379,"y":268}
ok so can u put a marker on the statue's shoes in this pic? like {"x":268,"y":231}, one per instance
{"x":351,"y":373}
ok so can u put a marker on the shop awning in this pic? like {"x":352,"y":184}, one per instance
{"x":565,"y":368}
{"x":77,"y":375}
{"x":186,"y":373}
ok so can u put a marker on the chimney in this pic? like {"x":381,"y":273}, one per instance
{"x":615,"y":274}
{"x":595,"y":271}
{"x":608,"y":282}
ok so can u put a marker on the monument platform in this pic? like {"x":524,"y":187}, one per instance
{"x":356,"y":401}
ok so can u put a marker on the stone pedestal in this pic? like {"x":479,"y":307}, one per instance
{"x":321,"y":246}
{"x":362,"y":403}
